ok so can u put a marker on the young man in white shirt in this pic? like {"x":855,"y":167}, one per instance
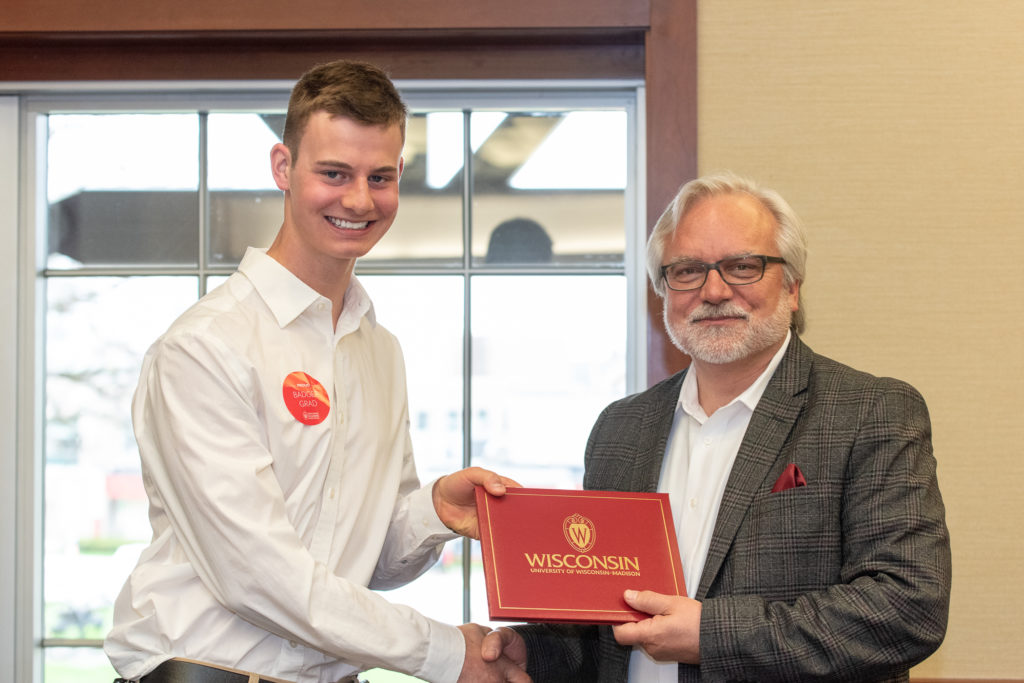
{"x":272,"y":424}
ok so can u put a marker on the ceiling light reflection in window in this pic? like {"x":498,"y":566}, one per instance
{"x":586,"y":151}
{"x":445,"y":141}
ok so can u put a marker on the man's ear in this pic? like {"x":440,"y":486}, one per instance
{"x":281,"y":165}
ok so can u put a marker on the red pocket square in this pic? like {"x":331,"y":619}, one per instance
{"x":791,"y":477}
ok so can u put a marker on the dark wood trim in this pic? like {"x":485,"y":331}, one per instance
{"x":671,"y":80}
{"x":74,"y":16}
{"x":542,"y":53}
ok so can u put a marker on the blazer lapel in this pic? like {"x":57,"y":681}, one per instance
{"x":654,"y":432}
{"x":770,"y":425}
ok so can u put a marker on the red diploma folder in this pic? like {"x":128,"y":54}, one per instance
{"x":555,"y":555}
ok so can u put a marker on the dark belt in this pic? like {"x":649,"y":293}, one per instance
{"x":178,"y":671}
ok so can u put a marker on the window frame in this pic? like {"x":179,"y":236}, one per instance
{"x":22,"y":305}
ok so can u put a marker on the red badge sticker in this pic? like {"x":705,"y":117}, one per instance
{"x":306,"y":398}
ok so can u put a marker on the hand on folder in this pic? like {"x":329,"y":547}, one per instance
{"x":672,"y":634}
{"x":455,"y":497}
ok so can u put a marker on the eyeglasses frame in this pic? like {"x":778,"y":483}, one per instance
{"x":708,"y":267}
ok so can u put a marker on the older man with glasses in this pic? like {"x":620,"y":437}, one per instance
{"x":809,"y":519}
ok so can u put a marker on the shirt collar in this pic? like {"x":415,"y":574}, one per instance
{"x":751,"y":395}
{"x":357,"y":304}
{"x":288,"y":297}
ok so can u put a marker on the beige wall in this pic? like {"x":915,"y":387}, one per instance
{"x":896,"y":130}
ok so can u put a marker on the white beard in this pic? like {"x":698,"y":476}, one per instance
{"x":720,"y":345}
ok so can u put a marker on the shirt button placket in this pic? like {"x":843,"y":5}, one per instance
{"x":329,"y":503}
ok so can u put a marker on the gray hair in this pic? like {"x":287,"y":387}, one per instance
{"x":790,"y":237}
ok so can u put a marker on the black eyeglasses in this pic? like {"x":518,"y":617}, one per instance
{"x":683,"y":276}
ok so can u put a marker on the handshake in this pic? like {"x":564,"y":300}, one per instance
{"x":498,"y":655}
{"x":672,"y":635}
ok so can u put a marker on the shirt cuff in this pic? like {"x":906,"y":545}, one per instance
{"x":446,"y":653}
{"x":422,"y":508}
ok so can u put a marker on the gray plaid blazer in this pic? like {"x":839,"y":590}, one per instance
{"x":844,"y":579}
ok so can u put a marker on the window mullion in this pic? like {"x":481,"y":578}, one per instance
{"x":467,"y":340}
{"x":204,"y":199}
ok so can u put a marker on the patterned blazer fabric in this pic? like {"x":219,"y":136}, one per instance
{"x":843,"y":578}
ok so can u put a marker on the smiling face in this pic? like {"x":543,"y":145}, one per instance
{"x":721,"y":323}
{"x":341,"y":196}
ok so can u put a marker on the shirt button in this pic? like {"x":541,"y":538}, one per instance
{"x":330,"y":492}
{"x":292,"y":643}
{"x":693,"y":503}
{"x":708,"y":440}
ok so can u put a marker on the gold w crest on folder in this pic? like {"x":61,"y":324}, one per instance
{"x":580,"y":532}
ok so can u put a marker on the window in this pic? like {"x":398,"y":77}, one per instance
{"x":509,"y":277}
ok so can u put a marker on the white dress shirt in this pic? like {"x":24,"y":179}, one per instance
{"x":268,"y":529}
{"x":698,"y":459}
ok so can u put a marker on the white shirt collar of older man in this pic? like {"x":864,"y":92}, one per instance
{"x":689,"y":402}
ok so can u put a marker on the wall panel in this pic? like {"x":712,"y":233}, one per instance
{"x":894,"y":131}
